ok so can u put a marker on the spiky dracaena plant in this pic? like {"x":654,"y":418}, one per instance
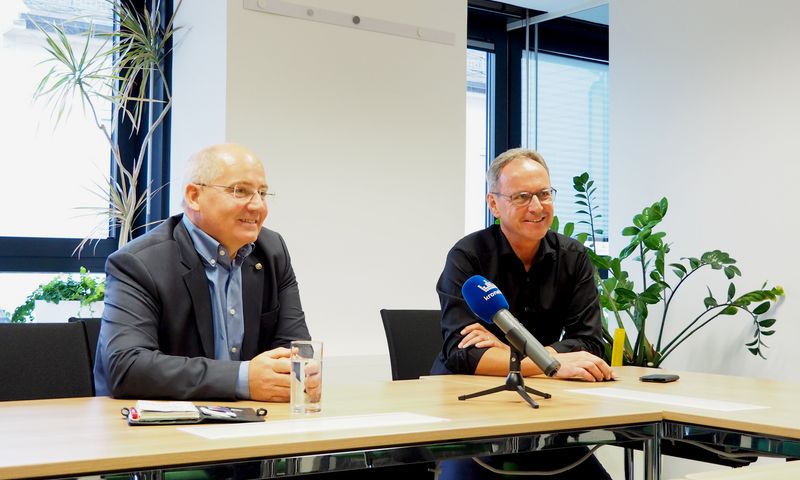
{"x":121,"y":71}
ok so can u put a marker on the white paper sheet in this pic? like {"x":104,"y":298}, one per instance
{"x":677,"y":400}
{"x":308,"y":425}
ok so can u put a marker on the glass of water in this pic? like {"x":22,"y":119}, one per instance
{"x":306,"y":381}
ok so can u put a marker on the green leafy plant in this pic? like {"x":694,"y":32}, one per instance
{"x":85,"y":289}
{"x":127,"y":70}
{"x":659,"y":283}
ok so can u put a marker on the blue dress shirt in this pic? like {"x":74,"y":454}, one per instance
{"x":225,"y":287}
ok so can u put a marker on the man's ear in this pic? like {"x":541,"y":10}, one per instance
{"x":191,"y":196}
{"x":492,"y":202}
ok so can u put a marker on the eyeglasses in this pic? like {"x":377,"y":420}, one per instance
{"x":523,"y":199}
{"x":242,"y":193}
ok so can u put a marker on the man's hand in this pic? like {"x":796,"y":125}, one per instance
{"x":583,"y":366}
{"x":268,"y":376}
{"x":477,"y":335}
{"x":313,"y":383}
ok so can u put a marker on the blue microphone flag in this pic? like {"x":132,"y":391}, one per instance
{"x":483,"y":297}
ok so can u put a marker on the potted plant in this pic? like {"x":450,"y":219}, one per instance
{"x":658,"y":282}
{"x":63,"y":297}
{"x":129,"y":72}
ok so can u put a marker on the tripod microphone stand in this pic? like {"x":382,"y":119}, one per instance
{"x":514,"y":382}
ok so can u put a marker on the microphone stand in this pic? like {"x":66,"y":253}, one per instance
{"x":515,"y":382}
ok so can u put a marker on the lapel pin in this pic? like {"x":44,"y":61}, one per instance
{"x":258,"y":266}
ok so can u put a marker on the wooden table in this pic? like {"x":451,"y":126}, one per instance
{"x":81,"y":436}
{"x":773,"y":430}
{"x":77,"y":436}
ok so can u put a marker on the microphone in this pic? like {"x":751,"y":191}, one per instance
{"x":488,"y":303}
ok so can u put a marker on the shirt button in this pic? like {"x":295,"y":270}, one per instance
{"x":234,"y":349}
{"x":232,"y":311}
{"x":527,"y":309}
{"x":212,"y":262}
{"x":222,"y":253}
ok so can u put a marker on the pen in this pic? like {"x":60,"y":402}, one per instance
{"x":218,"y":411}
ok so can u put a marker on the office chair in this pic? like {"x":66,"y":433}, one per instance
{"x":414,"y":338}
{"x":44,"y":360}
{"x":91,"y":330}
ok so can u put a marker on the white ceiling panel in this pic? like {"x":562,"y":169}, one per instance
{"x":589,"y":10}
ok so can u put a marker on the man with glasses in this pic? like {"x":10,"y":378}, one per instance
{"x":548,"y":281}
{"x":203,"y":306}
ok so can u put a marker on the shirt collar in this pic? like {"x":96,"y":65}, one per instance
{"x":546,"y":248}
{"x":211,"y":251}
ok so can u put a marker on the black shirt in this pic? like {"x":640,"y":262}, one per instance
{"x":556,"y":300}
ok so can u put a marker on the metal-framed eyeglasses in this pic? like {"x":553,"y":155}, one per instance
{"x":523,"y":199}
{"x":242,"y":193}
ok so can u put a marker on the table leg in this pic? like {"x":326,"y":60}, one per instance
{"x":652,"y":455}
{"x":629,"y":466}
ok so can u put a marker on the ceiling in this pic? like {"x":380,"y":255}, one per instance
{"x":594,"y":13}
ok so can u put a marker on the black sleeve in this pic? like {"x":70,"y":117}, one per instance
{"x":456,"y":314}
{"x":582,"y":324}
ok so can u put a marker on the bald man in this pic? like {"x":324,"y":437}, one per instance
{"x":203,"y":306}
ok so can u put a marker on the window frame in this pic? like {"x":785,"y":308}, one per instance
{"x":51,"y":254}
{"x":487,"y":22}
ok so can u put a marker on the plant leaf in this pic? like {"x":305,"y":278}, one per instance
{"x":710,"y":301}
{"x":626,"y":252}
{"x":762,"y":308}
{"x":767,"y":323}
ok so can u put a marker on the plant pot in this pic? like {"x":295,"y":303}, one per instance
{"x":46,"y":312}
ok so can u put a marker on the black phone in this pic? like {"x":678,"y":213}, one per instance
{"x":659,"y":377}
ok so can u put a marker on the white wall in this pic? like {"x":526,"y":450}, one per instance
{"x":363,"y":138}
{"x":704,"y":100}
{"x":199,"y":66}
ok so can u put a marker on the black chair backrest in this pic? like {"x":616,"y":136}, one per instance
{"x":414,"y":338}
{"x":44,"y":360}
{"x":91,"y":328}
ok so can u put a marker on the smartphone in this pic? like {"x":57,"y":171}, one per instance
{"x":659,"y":377}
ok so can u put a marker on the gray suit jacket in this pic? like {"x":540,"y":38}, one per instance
{"x":157,"y":335}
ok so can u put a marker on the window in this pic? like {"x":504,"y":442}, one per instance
{"x":54,"y":166}
{"x":568,"y":125}
{"x":56,"y":170}
{"x":480,"y":69}
{"x":551,"y":96}
{"x":51,"y":172}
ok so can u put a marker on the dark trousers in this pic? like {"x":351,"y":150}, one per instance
{"x":468,"y":469}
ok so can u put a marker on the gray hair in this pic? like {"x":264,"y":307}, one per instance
{"x":493,"y":174}
{"x":202,"y":167}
